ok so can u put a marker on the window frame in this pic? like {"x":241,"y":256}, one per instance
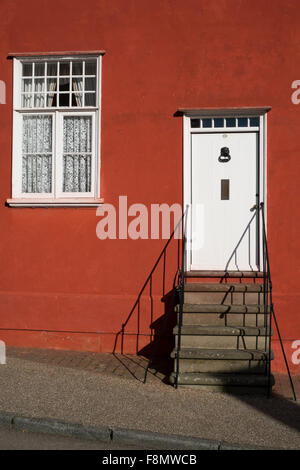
{"x":56,"y":197}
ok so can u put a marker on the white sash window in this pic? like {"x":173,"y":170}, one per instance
{"x":56,"y":130}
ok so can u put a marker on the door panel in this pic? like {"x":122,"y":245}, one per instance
{"x":224,"y":231}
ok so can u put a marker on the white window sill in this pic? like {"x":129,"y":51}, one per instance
{"x":68,"y":202}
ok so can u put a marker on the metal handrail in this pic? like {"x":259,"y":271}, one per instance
{"x":181,"y":296}
{"x":268,"y":305}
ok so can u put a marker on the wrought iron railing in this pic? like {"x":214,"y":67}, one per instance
{"x":269,"y":312}
{"x":181,"y":295}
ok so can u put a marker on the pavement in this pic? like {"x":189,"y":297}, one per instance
{"x":103,"y":397}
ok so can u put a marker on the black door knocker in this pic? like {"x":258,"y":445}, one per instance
{"x":225,"y":155}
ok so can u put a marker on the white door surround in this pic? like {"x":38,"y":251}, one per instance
{"x":224,"y":176}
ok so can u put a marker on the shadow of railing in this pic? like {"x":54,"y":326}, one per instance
{"x":158,"y":351}
{"x":234,"y":254}
{"x":153,"y":332}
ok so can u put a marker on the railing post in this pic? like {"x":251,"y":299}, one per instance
{"x":267,"y":314}
{"x":181,"y":295}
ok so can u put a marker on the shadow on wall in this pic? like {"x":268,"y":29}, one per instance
{"x":162,"y":341}
{"x":144,"y":322}
{"x":158,"y":351}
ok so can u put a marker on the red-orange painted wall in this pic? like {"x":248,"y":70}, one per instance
{"x":62,"y":287}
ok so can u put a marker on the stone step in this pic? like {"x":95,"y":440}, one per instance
{"x":224,"y":298}
{"x":222,"y":330}
{"x":222,"y":287}
{"x":221,"y":308}
{"x":222,"y":354}
{"x":232,"y":383}
{"x":222,"y":337}
{"x":224,"y":274}
{"x":223,"y":319}
{"x":223,"y":342}
{"x":221,"y":361}
{"x":222,"y":366}
{"x":199,"y":293}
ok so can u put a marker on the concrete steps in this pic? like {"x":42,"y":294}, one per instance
{"x":224,"y":335}
{"x":224,"y":274}
{"x":227,"y":319}
{"x":230,"y":337}
{"x":232,"y":383}
{"x":225,"y":294}
{"x":220,"y":308}
{"x":223,"y":315}
{"x":222,"y":287}
{"x":196,"y":360}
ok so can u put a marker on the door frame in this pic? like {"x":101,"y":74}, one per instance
{"x":211,"y":113}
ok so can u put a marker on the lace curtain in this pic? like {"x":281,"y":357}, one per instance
{"x":37,"y":154}
{"x":77,"y":158}
{"x":77,"y":87}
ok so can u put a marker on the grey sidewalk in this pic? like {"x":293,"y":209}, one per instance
{"x":102,"y":390}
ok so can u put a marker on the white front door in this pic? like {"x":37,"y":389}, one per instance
{"x":224,"y":175}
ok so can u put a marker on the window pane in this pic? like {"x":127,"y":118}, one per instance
{"x":195,"y":123}
{"x":242,"y":122}
{"x":230,"y":122}
{"x":90,"y":67}
{"x":64,"y":84}
{"x":27,"y":85}
{"x":77,"y":68}
{"x":64,"y":68}
{"x":51,"y":84}
{"x":39,"y":100}
{"x":77,"y":134}
{"x":77,"y":174}
{"x":90,"y":99}
{"x":37,"y":174}
{"x":39,"y":84}
{"x":37,"y":154}
{"x":77,"y":99}
{"x":26,"y":101}
{"x":77,"y":84}
{"x":218,"y":122}
{"x":51,"y":69}
{"x":39,"y":69}
{"x":90,"y":84}
{"x":37,"y":134}
{"x":27,"y":70}
{"x":207,"y":122}
{"x":52,"y":100}
{"x":77,"y":158}
{"x":64,"y":99}
{"x":254,"y":121}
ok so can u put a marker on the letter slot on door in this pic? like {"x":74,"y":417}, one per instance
{"x":224,"y":190}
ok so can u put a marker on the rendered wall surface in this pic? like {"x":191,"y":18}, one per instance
{"x":60,"y":286}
